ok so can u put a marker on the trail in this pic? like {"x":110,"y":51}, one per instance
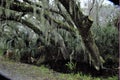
{"x":21,"y":71}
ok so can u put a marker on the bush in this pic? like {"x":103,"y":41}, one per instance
{"x":107,"y":41}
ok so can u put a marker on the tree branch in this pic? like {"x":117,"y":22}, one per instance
{"x":18,"y":18}
{"x":83,"y":24}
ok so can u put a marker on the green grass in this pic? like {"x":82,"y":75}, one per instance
{"x":80,"y":76}
{"x":52,"y":75}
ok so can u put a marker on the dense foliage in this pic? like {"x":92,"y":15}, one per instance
{"x":41,"y":31}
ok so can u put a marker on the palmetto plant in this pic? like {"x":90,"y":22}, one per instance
{"x":62,"y":30}
{"x":106,"y":38}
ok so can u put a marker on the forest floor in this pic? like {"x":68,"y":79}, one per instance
{"x":21,"y":71}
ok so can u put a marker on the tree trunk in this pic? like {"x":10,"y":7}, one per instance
{"x":83,"y":24}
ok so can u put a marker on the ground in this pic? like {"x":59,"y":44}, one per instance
{"x":21,"y":71}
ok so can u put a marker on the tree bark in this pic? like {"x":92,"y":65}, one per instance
{"x":83,"y":24}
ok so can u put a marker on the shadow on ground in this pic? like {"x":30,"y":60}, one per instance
{"x":60,"y":66}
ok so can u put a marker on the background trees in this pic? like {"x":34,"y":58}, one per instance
{"x":59,"y":29}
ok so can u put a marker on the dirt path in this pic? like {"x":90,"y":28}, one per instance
{"x":20,"y":71}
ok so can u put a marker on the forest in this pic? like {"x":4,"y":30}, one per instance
{"x":68,"y":36}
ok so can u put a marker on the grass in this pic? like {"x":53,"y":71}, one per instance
{"x":44,"y":73}
{"x":52,"y":75}
{"x":80,"y":76}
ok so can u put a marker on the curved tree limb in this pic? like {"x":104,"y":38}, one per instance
{"x":84,"y":24}
{"x":81,"y":21}
{"x":18,"y":18}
